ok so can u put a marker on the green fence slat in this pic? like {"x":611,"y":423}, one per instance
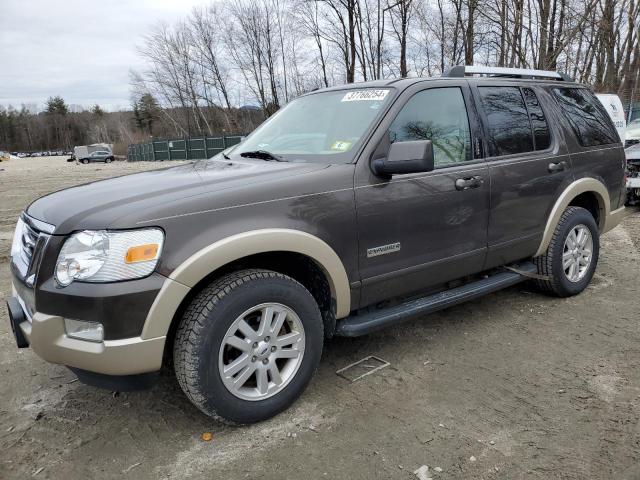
{"x":188,"y":148}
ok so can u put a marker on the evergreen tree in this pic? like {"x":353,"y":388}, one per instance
{"x":57,"y":105}
{"x":145,"y":112}
{"x":97,"y":111}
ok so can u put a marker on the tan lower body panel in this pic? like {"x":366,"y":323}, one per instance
{"x":209,"y":259}
{"x":164,"y":308}
{"x":608,"y":218}
{"x":235,"y":247}
{"x":614,"y":218}
{"x":47,"y":338}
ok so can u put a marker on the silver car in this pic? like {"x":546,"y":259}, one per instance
{"x":98,"y":156}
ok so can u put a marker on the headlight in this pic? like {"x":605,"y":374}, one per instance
{"x":100,"y":256}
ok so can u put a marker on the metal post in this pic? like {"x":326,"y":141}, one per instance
{"x":633,"y":93}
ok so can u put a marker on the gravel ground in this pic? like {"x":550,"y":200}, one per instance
{"x":515,"y":385}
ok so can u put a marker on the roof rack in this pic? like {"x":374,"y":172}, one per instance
{"x":464,"y":70}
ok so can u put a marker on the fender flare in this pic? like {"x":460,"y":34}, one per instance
{"x":209,"y":259}
{"x":574,"y":189}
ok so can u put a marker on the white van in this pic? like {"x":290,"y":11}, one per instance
{"x":613,"y":105}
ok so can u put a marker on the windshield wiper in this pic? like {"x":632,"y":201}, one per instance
{"x":263,"y":155}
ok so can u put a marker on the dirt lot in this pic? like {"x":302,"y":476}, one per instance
{"x":516,"y":385}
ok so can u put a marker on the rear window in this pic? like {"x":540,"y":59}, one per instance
{"x":516,"y":122}
{"x":587,"y":117}
{"x":507,"y":120}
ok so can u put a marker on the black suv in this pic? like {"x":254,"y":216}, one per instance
{"x":352,"y":208}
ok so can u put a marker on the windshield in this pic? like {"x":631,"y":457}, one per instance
{"x":324,"y":127}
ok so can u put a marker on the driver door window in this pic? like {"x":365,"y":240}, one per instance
{"x":439,"y":115}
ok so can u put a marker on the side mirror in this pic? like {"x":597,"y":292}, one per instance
{"x":406,"y":157}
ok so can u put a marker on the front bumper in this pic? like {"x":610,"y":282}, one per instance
{"x":45,"y":334}
{"x":17,"y":315}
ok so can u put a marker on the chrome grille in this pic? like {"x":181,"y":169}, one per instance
{"x":28,"y":243}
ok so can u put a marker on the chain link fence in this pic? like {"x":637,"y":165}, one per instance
{"x":193,"y":148}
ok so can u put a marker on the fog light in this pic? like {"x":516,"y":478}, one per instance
{"x":91,"y":331}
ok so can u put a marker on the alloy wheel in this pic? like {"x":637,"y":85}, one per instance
{"x":261,"y":351}
{"x":577,"y":253}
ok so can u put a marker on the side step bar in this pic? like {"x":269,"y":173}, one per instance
{"x":356,"y":325}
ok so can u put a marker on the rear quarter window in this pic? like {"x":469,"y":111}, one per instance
{"x":541,"y":134}
{"x":588,"y":119}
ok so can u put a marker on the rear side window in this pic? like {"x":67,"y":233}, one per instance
{"x":587,"y":116}
{"x":541,"y":136}
{"x":507,"y":120}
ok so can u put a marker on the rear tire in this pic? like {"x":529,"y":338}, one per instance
{"x":245,"y":375}
{"x":572,"y":256}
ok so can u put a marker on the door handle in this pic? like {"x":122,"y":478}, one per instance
{"x":557,"y":167}
{"x":468,"y":182}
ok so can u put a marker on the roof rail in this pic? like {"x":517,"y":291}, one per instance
{"x":462,"y":71}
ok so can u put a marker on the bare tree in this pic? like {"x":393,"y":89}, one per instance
{"x":400,"y":13}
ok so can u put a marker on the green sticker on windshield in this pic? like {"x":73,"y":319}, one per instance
{"x":341,"y":146}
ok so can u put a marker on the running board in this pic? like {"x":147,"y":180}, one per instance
{"x":356,"y":325}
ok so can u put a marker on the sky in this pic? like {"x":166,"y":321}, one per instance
{"x":81,"y":50}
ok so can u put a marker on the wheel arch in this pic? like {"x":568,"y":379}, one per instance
{"x":588,"y":193}
{"x":215,"y":258}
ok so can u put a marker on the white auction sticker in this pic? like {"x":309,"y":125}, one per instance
{"x":365,"y":95}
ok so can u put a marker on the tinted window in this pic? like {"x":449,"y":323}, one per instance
{"x":507,"y":120}
{"x":541,"y":136}
{"x":439,"y":115}
{"x":587,"y":116}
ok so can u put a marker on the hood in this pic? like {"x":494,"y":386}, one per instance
{"x":633,"y":133}
{"x":98,"y":205}
{"x":633,"y":153}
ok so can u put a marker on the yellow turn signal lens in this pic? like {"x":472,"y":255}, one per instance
{"x":142,"y":253}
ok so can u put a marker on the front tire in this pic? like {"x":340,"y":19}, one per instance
{"x":572,"y":256}
{"x":248,"y":345}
